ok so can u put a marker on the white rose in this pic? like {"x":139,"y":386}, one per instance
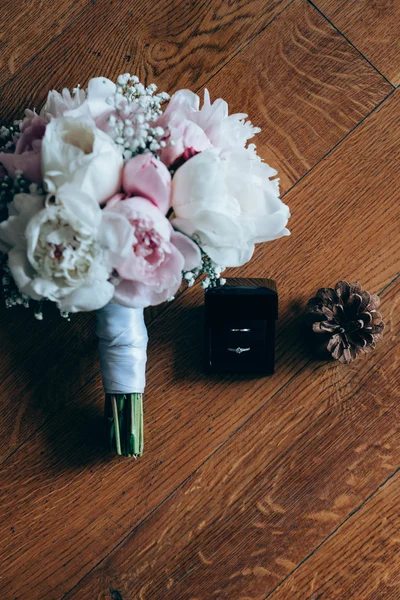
{"x":76,"y":151}
{"x":93,"y":102}
{"x":227,"y":202}
{"x":65,"y":249}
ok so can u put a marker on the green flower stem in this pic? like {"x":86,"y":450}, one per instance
{"x":124,"y":422}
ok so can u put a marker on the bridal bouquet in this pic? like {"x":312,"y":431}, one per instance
{"x":107,"y":201}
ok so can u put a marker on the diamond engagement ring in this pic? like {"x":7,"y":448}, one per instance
{"x":238,"y":350}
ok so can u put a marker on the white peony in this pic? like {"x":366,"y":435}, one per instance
{"x":76,"y":151}
{"x":224,"y":131}
{"x":59,"y":105}
{"x":227,"y":202}
{"x":92,"y":103}
{"x":65,"y":248}
{"x":211,"y":123}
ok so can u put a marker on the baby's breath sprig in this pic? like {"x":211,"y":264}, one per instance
{"x":13,"y":297}
{"x":9,"y":136}
{"x":210,"y":269}
{"x":137,"y":108}
{"x":11,"y":293}
{"x":10,"y":186}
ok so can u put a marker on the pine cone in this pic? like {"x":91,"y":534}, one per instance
{"x":345,"y":320}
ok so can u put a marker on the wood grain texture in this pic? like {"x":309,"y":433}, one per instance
{"x":333,"y":90}
{"x":40,"y":372}
{"x":29,"y":26}
{"x":242,"y":478}
{"x":304,"y":85}
{"x":62,"y":491}
{"x":373,"y":27}
{"x":174,"y":43}
{"x":360,"y":560}
{"x":261,"y":503}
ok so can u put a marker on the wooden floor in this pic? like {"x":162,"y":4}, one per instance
{"x":285,"y":487}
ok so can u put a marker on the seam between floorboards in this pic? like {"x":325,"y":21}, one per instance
{"x":182,"y":483}
{"x":159,"y":314}
{"x":287,"y":191}
{"x":331,"y":150}
{"x":250,"y":41}
{"x":334,"y":531}
{"x":350,"y":42}
{"x":140,"y":524}
{"x":239,"y":50}
{"x":353,"y":512}
{"x":283,"y":195}
{"x":197,"y":89}
{"x":346,"y":135}
{"x":253,"y":414}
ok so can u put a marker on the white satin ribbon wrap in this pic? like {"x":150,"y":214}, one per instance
{"x":123,"y":339}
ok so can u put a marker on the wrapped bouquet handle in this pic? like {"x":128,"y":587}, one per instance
{"x":109,"y":197}
{"x":123,"y":339}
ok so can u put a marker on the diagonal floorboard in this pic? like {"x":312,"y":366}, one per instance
{"x":373,"y":28}
{"x":244,"y":520}
{"x":176,"y":44}
{"x":298,"y":131}
{"x":16,"y":47}
{"x":249,"y":488}
{"x":368,"y":567}
{"x":64,"y":490}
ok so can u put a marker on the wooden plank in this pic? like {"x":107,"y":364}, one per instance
{"x":373,"y":27}
{"x":361,"y":559}
{"x":39,"y":372}
{"x":28,"y":27}
{"x":333,"y":89}
{"x":174,"y":43}
{"x":304,"y":85}
{"x":275,"y":490}
{"x":61,"y":487}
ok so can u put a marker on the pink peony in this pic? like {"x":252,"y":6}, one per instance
{"x":27,"y":154}
{"x":183,"y":133}
{"x":152,"y":272}
{"x":193,"y":129}
{"x":149,"y":178}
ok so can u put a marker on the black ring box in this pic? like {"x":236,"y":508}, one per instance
{"x":240,"y":326}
